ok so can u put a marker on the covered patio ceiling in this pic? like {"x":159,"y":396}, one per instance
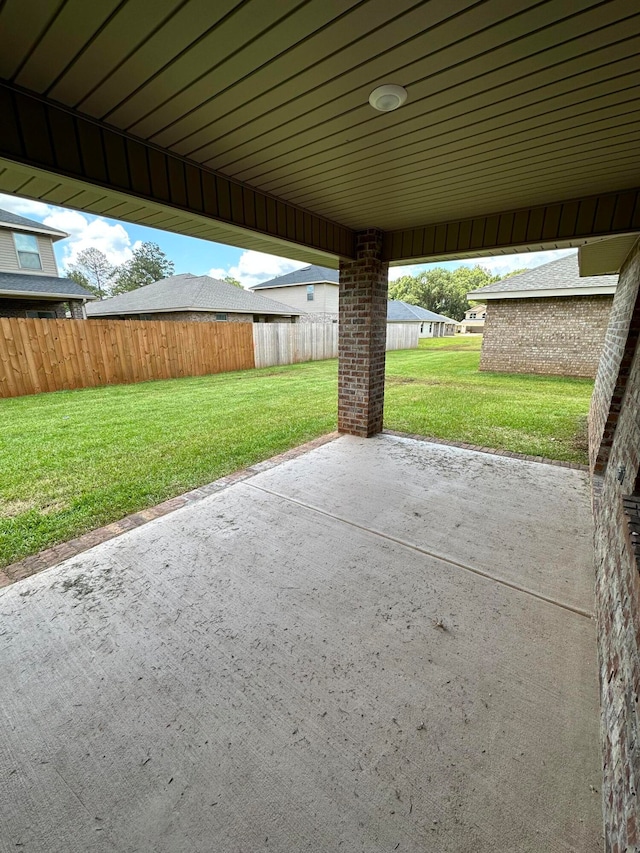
{"x":249,"y":122}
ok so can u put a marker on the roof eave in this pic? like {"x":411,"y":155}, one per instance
{"x":602,"y":290}
{"x":55,"y":235}
{"x":44,"y":294}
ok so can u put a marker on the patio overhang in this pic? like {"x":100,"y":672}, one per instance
{"x":248,"y":123}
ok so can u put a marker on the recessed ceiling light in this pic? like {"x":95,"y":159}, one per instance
{"x":387,"y":98}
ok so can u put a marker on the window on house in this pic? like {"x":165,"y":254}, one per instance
{"x":28,"y":251}
{"x":42,"y":315}
{"x":221,"y":316}
{"x":421,"y":328}
{"x":430,"y":328}
{"x":484,"y":316}
{"x":472,"y":316}
{"x":311,"y":288}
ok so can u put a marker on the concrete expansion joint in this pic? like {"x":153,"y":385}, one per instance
{"x":570,"y":608}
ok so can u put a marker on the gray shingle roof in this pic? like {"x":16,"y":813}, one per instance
{"x":562,"y":274}
{"x":307,"y":275}
{"x":188,"y":292}
{"x":8,"y":218}
{"x":41,"y":285}
{"x":398,"y":312}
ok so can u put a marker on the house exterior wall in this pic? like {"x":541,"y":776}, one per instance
{"x":614,"y":423}
{"x":559,"y":336}
{"x":21,"y":307}
{"x":323,"y":307}
{"x":9,"y":257}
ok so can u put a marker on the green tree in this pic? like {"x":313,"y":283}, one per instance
{"x":148,"y":263}
{"x":234,"y":281}
{"x":441,"y":290}
{"x":94,"y":271}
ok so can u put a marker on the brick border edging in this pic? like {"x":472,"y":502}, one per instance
{"x":58,"y":553}
{"x":576,"y":466}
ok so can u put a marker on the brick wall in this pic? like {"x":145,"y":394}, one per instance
{"x":19,"y":307}
{"x":319,"y":317}
{"x":615,"y":423}
{"x":561,"y":336}
{"x":613,"y":370}
{"x":362,"y":331}
{"x":191,"y":317}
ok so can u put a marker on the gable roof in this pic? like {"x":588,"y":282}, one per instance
{"x":557,"y":278}
{"x":188,"y":292}
{"x":307,"y":275}
{"x":47,"y":286}
{"x":399,"y":312}
{"x":20,"y":223}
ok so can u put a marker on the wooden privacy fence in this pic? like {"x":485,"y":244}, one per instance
{"x":56,"y":355}
{"x":290,"y":343}
{"x":52,"y":355}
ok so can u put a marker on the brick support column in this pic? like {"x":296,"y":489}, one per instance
{"x":362,"y":334}
{"x":75,"y":306}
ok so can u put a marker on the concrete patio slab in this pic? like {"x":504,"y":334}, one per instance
{"x":523,"y":522}
{"x":253,"y":674}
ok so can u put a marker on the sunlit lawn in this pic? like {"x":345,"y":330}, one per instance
{"x":74,"y":460}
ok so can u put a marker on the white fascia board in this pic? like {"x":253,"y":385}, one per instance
{"x":292,"y":284}
{"x":35,"y":294}
{"x":55,"y":235}
{"x":604,"y":290}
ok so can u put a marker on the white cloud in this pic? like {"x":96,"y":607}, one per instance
{"x":498,"y":265}
{"x":254,"y":267}
{"x":84,"y":230}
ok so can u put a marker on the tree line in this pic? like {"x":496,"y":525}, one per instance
{"x":148,"y":263}
{"x":444,"y":291}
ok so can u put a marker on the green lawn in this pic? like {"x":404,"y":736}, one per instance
{"x":438,"y":391}
{"x":75,"y":460}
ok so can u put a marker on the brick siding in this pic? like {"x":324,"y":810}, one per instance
{"x":318,"y":317}
{"x":362,"y":332}
{"x":19,"y":307}
{"x":613,"y":370}
{"x":203,"y":317}
{"x":559,"y":336}
{"x":614,"y":423}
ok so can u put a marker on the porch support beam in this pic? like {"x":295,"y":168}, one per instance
{"x":550,"y":226}
{"x":49,"y":138}
{"x":362,"y":335}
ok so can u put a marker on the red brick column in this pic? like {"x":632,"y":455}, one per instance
{"x":362,"y":335}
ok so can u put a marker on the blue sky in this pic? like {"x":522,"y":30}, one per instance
{"x":118,"y":239}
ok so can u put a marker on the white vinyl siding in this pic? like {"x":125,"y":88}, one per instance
{"x":9,"y":256}
{"x":325,"y":297}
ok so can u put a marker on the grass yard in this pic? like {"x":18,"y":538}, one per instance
{"x":439,"y":392}
{"x":74,"y":460}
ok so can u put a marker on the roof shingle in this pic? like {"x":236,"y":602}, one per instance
{"x":399,"y":311}
{"x":313,"y":274}
{"x":9,"y":218}
{"x":41,"y":285}
{"x":188,"y":292}
{"x":562,"y":274}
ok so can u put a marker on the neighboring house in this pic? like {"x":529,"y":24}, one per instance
{"x":431,"y":325}
{"x":198,"y":298}
{"x":473,"y":322}
{"x":311,"y":291}
{"x":29,"y":282}
{"x":546,"y":320}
